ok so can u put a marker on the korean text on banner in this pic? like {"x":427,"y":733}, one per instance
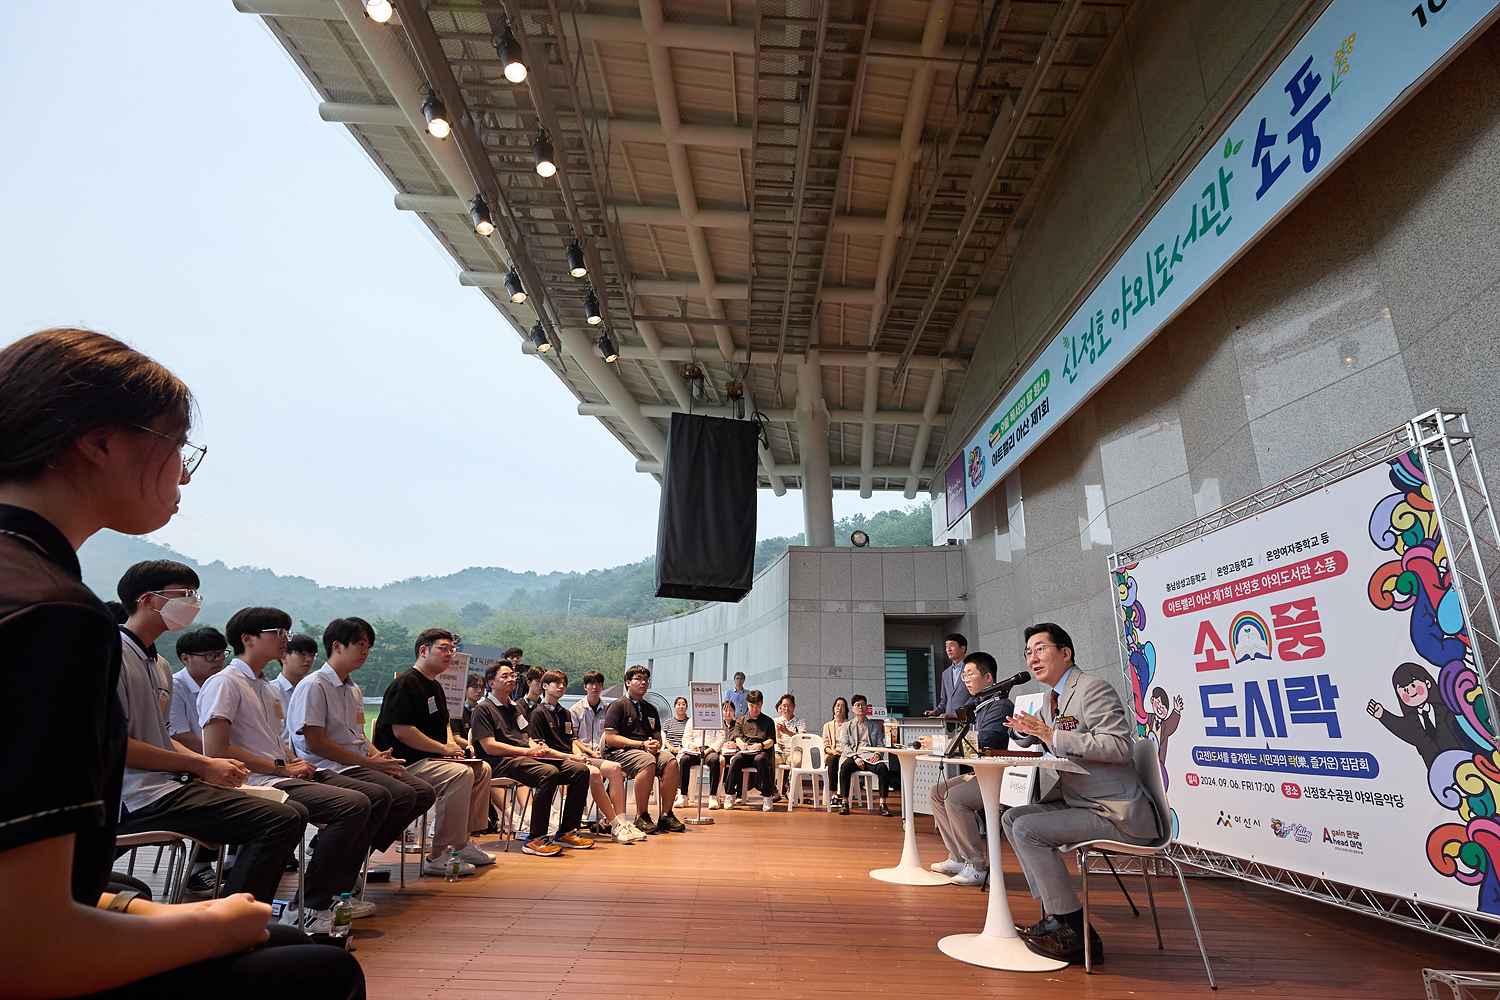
{"x":454,"y":680}
{"x":1306,"y":677}
{"x":706,"y":700}
{"x":1358,"y":59}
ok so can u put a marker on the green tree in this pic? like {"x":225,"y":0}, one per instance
{"x":391,"y":654}
{"x":473,"y":615}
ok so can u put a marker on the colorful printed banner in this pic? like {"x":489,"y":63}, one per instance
{"x":1306,"y":677}
{"x":1354,"y":63}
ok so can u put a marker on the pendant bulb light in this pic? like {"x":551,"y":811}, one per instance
{"x":379,"y":11}
{"x":436,"y":116}
{"x":479,"y":212}
{"x":509,"y":51}
{"x":591,"y":310}
{"x":513,"y":286}
{"x":577,"y":266}
{"x":546,"y":157}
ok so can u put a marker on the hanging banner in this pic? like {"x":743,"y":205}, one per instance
{"x":1305,"y":674}
{"x":1358,"y":60}
{"x":454,"y":680}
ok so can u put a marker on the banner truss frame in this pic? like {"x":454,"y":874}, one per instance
{"x":1444,"y":443}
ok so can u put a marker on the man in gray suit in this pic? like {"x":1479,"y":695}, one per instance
{"x":1085,"y":722}
{"x":951,"y":693}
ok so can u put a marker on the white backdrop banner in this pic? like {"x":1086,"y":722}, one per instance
{"x":1306,"y":676}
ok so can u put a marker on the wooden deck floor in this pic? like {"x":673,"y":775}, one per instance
{"x":782,"y":906}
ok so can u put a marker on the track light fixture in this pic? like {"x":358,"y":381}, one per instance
{"x":546,"y":162}
{"x":379,"y":11}
{"x":605,"y":345}
{"x":513,"y":286}
{"x":695,"y":379}
{"x":577,"y":267}
{"x":436,"y":116}
{"x":539,"y":339}
{"x":509,"y":51}
{"x":479,"y":211}
{"x":591,"y":310}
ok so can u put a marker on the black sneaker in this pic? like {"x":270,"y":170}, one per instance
{"x":201,"y":883}
{"x":671,"y":824}
{"x":843,"y":808}
{"x":644,"y":824}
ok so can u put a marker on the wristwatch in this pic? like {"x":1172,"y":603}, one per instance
{"x":280,"y":764}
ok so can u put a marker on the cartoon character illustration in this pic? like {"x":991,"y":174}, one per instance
{"x":1425,"y":722}
{"x":1166,"y":715}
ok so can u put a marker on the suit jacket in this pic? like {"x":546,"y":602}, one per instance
{"x":951,"y":692}
{"x":1099,"y":737}
{"x":1446,"y":734}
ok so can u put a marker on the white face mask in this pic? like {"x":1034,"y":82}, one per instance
{"x":179,"y":612}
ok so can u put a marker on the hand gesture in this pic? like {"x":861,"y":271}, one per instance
{"x":1177,"y":703}
{"x":653,"y":745}
{"x":299,"y":769}
{"x":1031,"y":725}
{"x":1375,"y":708}
{"x":223,"y":772}
{"x":240,"y":919}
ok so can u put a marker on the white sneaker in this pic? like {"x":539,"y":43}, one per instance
{"x":729,"y":802}
{"x":713,"y":803}
{"x":680,"y":802}
{"x":619,"y":832}
{"x":474,"y":856}
{"x":636,"y":833}
{"x":439,"y":866}
{"x":969,"y":875}
{"x":361,"y":908}
{"x":316,"y":921}
{"x":949,"y":866}
{"x":766,"y":805}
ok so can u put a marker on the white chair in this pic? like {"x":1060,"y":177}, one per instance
{"x":1146,"y":766}
{"x":869,"y":781}
{"x":811,"y":768}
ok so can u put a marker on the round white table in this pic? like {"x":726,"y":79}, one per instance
{"x":908,"y":870}
{"x":998,"y":946}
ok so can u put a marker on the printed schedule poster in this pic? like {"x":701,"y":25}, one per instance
{"x":1306,"y":677}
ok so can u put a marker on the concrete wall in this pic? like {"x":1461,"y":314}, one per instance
{"x":1377,"y":298}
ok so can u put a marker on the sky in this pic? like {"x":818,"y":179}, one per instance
{"x":166,"y":179}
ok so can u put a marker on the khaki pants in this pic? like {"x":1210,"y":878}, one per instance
{"x":463,"y":800}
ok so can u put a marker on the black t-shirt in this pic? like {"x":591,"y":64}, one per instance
{"x":634,"y":720}
{"x":412,"y":700}
{"x":553,"y":725}
{"x":753,"y":731}
{"x":61,"y":669}
{"x":501,"y":723}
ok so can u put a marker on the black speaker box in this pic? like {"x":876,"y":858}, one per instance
{"x":705,"y":536}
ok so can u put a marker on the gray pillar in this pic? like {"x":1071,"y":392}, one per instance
{"x":812,"y":438}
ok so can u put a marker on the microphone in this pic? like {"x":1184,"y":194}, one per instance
{"x":999,"y":689}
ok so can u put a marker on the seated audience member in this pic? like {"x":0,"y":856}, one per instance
{"x":699,"y":748}
{"x":323,"y":718}
{"x":755,"y":736}
{"x":414,"y":725}
{"x":117,"y":612}
{"x":201,"y":651}
{"x":170,"y":787}
{"x":956,"y":803}
{"x":859,"y":734}
{"x":532,"y":699}
{"x":93,"y":435}
{"x":671,"y":739}
{"x":502,"y":735}
{"x":301,"y":650}
{"x":831,"y":740}
{"x":737,"y":695}
{"x":1084,"y":721}
{"x":473,"y":691}
{"x":605,"y":776}
{"x":239,"y":714}
{"x":632,"y":739}
{"x":558,"y":728}
{"x":787,"y":726}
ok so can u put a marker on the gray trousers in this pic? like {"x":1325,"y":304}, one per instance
{"x":956,"y":806}
{"x":1035,"y":832}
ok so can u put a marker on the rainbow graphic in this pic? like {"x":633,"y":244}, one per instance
{"x":1249,"y":637}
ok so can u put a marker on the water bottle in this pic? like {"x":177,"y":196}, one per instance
{"x":453,"y":864}
{"x":343,"y":917}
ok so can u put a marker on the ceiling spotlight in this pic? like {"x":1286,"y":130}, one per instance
{"x":546,"y":164}
{"x":694,"y":377}
{"x":859,"y":539}
{"x":591,"y":311}
{"x":605,"y":345}
{"x":436,"y":116}
{"x":539,"y":339}
{"x":509,"y":51}
{"x":479,"y":211}
{"x":576,"y":265}
{"x":513,"y":286}
{"x":379,"y":11}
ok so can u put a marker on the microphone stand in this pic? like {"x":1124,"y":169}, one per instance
{"x":700,"y":819}
{"x":955,"y":748}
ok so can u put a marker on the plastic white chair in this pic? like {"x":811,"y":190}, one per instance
{"x":1143,"y":756}
{"x":811,"y":768}
{"x":869,"y":781}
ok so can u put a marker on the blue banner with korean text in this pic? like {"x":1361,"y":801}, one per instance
{"x":1307,"y":678}
{"x":1358,"y":60}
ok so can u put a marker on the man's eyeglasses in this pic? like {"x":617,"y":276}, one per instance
{"x":192,"y":454}
{"x":217,"y":654}
{"x":280,"y":633}
{"x":1036,"y":650}
{"x":443,"y":647}
{"x":185,"y":594}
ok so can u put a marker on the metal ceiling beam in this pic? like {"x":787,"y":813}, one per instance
{"x":781,"y":415}
{"x":827,"y":358}
{"x":895,"y":472}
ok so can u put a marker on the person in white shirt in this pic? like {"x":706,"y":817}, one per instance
{"x":240,"y":717}
{"x":588,"y":724}
{"x":787,"y":726}
{"x":296,"y":663}
{"x":201,"y":651}
{"x":699,"y":747}
{"x":324,"y":720}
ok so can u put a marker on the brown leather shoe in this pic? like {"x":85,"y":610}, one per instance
{"x":575,"y":840}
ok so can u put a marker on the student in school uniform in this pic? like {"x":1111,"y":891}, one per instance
{"x":606,"y":778}
{"x":201,"y":651}
{"x":632,"y":739}
{"x":301,"y":650}
{"x":555,"y":726}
